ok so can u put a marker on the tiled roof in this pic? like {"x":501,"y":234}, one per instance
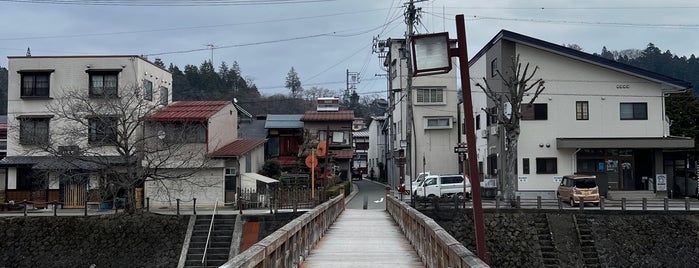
{"x":238,"y":147}
{"x":347,"y":115}
{"x":188,"y":111}
{"x":572,"y":53}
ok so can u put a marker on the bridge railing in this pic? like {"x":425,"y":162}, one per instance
{"x":435,"y":246}
{"x":289,"y":245}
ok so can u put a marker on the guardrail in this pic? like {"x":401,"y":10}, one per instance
{"x":289,"y":245}
{"x":435,"y":246}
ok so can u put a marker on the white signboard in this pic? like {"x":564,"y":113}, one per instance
{"x":522,"y":179}
{"x":661,"y":182}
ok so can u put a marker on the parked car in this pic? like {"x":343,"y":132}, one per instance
{"x":574,"y":188}
{"x":419,"y":179}
{"x":443,"y":186}
{"x":356,"y":174}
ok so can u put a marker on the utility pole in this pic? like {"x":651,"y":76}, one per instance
{"x":410,"y":18}
{"x":211,"y":47}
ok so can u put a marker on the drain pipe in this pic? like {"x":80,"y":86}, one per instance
{"x":573,"y":158}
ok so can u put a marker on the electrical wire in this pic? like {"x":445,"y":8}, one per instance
{"x":183,"y":3}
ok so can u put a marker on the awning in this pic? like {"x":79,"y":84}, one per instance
{"x":626,"y":143}
{"x":62,"y":163}
{"x":258,"y":177}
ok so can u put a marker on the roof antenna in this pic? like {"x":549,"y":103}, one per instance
{"x":29,"y":52}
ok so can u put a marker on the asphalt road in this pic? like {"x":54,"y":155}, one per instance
{"x":374,"y":194}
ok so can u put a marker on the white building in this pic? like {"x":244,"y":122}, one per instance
{"x":377,"y":146}
{"x":596,"y":116}
{"x":35,"y":133}
{"x":432,"y":122}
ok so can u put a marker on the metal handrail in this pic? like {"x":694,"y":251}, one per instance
{"x":208,"y":236}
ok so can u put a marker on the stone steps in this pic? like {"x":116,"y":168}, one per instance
{"x":219,"y":243}
{"x":549,"y":253}
{"x":588,"y":250}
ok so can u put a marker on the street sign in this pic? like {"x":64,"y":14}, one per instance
{"x":460,"y":150}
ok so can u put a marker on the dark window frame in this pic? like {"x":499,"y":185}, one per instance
{"x":147,"y":90}
{"x":102,"y":130}
{"x":429,"y":96}
{"x":494,"y":67}
{"x":639,"y":111}
{"x":546,"y":165}
{"x":525,"y":166}
{"x":106,"y":77}
{"x":582,"y":110}
{"x":37,"y":89}
{"x":31,"y":133}
{"x":164,"y":95}
{"x":535,"y":111}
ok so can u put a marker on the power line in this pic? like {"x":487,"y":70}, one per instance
{"x":189,"y":27}
{"x":182,"y":3}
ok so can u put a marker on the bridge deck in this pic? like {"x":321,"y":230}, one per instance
{"x":363,"y":238}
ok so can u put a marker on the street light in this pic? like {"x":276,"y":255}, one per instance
{"x":432,"y":55}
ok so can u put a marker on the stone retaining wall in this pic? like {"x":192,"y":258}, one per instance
{"x":122,"y":240}
{"x":648,"y":239}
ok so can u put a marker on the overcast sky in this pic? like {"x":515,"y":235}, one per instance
{"x":322,"y":39}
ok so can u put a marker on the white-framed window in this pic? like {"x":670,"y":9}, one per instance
{"x":438,"y":122}
{"x":429,"y":95}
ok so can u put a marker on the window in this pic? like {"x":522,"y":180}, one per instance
{"x":147,"y":90}
{"x":429,"y":95}
{"x":493,"y":164}
{"x":35,"y":84}
{"x":494,"y":68}
{"x":104,"y":83}
{"x":180,"y":132}
{"x":102,"y":130}
{"x":337,"y":137}
{"x":438,"y":123}
{"x":478,"y":122}
{"x":164,"y":95}
{"x":230,"y":178}
{"x":633,"y":111}
{"x":536,"y":111}
{"x":582,"y":110}
{"x":34,"y":131}
{"x":546,"y":165}
{"x":525,"y":165}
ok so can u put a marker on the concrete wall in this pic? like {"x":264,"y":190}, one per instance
{"x":205,"y":185}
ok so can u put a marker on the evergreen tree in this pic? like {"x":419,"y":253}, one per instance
{"x":293,"y":83}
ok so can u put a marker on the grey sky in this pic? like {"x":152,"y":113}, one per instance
{"x":321,"y":39}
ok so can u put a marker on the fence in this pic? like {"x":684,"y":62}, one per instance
{"x":290,"y":244}
{"x":622,"y":204}
{"x":280,"y":198}
{"x":435,"y":246}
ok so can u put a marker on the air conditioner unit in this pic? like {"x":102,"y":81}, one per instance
{"x":484,"y":133}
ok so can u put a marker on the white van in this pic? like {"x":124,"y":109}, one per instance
{"x":443,"y":186}
{"x":419,"y":179}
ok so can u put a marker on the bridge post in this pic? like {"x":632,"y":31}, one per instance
{"x":666,"y":204}
{"x":601,"y":203}
{"x":644,"y":203}
{"x":623,"y":204}
{"x":538,"y":202}
{"x":366,"y":202}
{"x":686,"y":203}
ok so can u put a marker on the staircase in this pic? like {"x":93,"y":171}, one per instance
{"x":219,"y":243}
{"x":549,"y":253}
{"x":587,"y":242}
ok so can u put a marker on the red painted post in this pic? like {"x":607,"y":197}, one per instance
{"x":462,"y":53}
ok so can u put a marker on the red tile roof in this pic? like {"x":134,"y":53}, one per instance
{"x":347,"y":115}
{"x":188,"y":111}
{"x":238,"y":147}
{"x":287,"y":160}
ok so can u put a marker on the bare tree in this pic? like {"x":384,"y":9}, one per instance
{"x":109,"y":137}
{"x":518,"y":82}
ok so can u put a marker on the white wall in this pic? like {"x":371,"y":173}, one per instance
{"x":205,"y":185}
